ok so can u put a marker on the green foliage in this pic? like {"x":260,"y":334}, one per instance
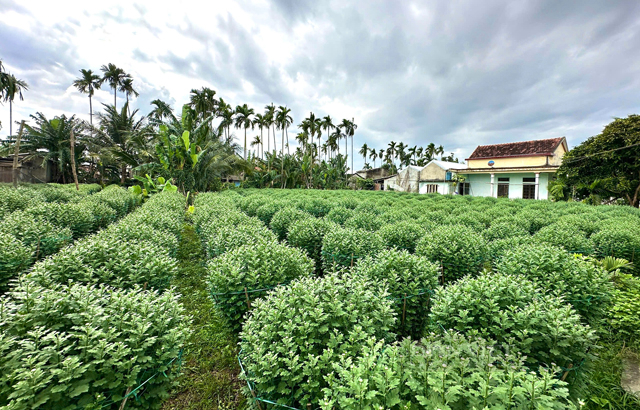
{"x":511,"y":310}
{"x":253,"y":268}
{"x":267,"y":211}
{"x":284,"y":218}
{"x":75,"y":346}
{"x":345,"y":246}
{"x":151,"y":187}
{"x":498,"y":247}
{"x":579,"y":282}
{"x":364,"y":220}
{"x":308,"y":234}
{"x":223,"y":238}
{"x":340,"y":214}
{"x":625,"y":312}
{"x":619,"y":241}
{"x":459,"y":249}
{"x":410,"y":280}
{"x":402,"y":235}
{"x":35,"y":233}
{"x":564,"y":236}
{"x":441,"y":372}
{"x":504,"y":230}
{"x":14,"y":257}
{"x":295,"y":335}
{"x":77,"y":217}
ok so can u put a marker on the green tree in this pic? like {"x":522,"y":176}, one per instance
{"x":260,"y":122}
{"x":244,"y":119}
{"x":284,"y":120}
{"x":13,"y":88}
{"x":327,"y":124}
{"x":607,"y":162}
{"x":114,"y":76}
{"x":161,"y":110}
{"x":364,"y":151}
{"x":270,"y":114}
{"x":126,"y":87}
{"x":87,"y":83}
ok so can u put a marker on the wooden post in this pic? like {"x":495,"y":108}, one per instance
{"x":442,"y":274}
{"x":125,"y":398}
{"x":16,"y":152}
{"x":73,"y":159}
{"x":145,"y":286}
{"x":566,"y":373}
{"x":256,"y":399}
{"x":352,"y":260}
{"x":308,"y":406}
{"x":404,"y":308}
{"x":247,"y":295}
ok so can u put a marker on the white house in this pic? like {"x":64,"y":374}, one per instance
{"x":438,"y":177}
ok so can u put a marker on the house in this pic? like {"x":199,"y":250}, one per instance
{"x":406,"y":180}
{"x":513,"y":170}
{"x":31,"y":170}
{"x":439,"y":177}
{"x":377,"y":175}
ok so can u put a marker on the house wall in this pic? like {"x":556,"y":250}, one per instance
{"x":480,"y":184}
{"x":405,"y":181}
{"x":509,"y":162}
{"x":432,"y":172}
{"x":444,"y":188}
{"x":557,"y":155}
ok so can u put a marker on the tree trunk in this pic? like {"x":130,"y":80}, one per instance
{"x":10,"y":118}
{"x":72,"y":144}
{"x":114,"y":97}
{"x":123,"y":172}
{"x":286,"y":130}
{"x":16,"y":152}
{"x":275,"y":148}
{"x":91,"y":114}
{"x":245,"y":143}
{"x":262,"y":144}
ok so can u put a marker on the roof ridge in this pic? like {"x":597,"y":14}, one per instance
{"x":519,"y":142}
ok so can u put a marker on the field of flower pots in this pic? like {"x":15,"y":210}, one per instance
{"x":306,"y":299}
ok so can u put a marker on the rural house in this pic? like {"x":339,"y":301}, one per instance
{"x":439,"y":176}
{"x":513,"y":170}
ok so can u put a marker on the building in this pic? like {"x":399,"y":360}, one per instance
{"x":439,"y":177}
{"x":406,"y":180}
{"x":32,"y":170}
{"x":377,"y":175}
{"x":513,"y":170}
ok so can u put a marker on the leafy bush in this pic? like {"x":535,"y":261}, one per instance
{"x":266,"y":212}
{"x":564,"y":236}
{"x":246,"y":272}
{"x":498,"y":247}
{"x":586,"y":287}
{"x":511,"y":310}
{"x":503,"y":230}
{"x":617,"y":240}
{"x":13,"y":199}
{"x":40,"y":235}
{"x":77,"y":217}
{"x":228,"y":237}
{"x":296,"y":333}
{"x":625,"y":317}
{"x":308,"y":234}
{"x":340,"y":214}
{"x":450,"y":372}
{"x":410,"y":280}
{"x":283,"y":219}
{"x":14,"y":257}
{"x":364,"y":220}
{"x":74,"y":346}
{"x":345,"y":246}
{"x":402,"y":235}
{"x":317,"y":207}
{"x":459,"y":249}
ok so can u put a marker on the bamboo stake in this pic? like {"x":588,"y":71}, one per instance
{"x":73,"y":159}
{"x":15,"y":155}
{"x":404,"y":308}
{"x":352,"y":260}
{"x":256,"y":399}
{"x":247,"y":295}
{"x":126,"y":396}
{"x":566,"y":373}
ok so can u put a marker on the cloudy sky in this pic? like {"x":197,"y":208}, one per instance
{"x":456,"y":73}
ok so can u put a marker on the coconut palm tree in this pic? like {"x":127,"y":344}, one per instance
{"x":244,"y":119}
{"x":257,"y":141}
{"x":349,"y":128}
{"x":87,"y":83}
{"x":260,"y":122}
{"x":126,"y":87}
{"x":440,"y":151}
{"x":412,"y":154}
{"x":203,"y":102}
{"x":13,"y":87}
{"x":114,"y":76}
{"x":271,"y":113}
{"x":284,"y":120}
{"x":373,"y":155}
{"x":161,"y":111}
{"x":327,"y":124}
{"x":391,"y":151}
{"x":364,"y":151}
{"x":225,"y":112}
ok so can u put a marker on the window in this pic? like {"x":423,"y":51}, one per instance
{"x":528,"y":188}
{"x":447,"y":176}
{"x":463,"y":188}
{"x":432,"y":189}
{"x":503,"y":187}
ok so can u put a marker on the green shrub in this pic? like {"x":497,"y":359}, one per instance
{"x":266,"y":212}
{"x":363,"y":220}
{"x":316,"y":207}
{"x":308,"y":234}
{"x":625,"y":311}
{"x":586,"y":287}
{"x":42,"y":236}
{"x":459,"y":249}
{"x":74,"y":346}
{"x":618,"y":240}
{"x":504,"y":230}
{"x":247,"y":272}
{"x":345,"y":246}
{"x":77,"y":217}
{"x":538,"y":219}
{"x":283,"y":219}
{"x":410,"y":281}
{"x":107,"y":260}
{"x":14,"y":199}
{"x":498,"y":247}
{"x":441,"y":372}
{"x":511,"y":310}
{"x":14,"y":257}
{"x":564,"y":236}
{"x":340,"y":215}
{"x":402,"y":235}
{"x":294,"y":335}
{"x":227,"y":237}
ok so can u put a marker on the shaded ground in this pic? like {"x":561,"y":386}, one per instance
{"x":210,"y":370}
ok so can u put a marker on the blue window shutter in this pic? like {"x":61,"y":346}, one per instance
{"x":447,"y":176}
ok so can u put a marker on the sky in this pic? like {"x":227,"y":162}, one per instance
{"x":455,"y":73}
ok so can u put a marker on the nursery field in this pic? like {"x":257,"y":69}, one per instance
{"x":307,"y":299}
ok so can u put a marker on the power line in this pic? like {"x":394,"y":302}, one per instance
{"x":601,"y":152}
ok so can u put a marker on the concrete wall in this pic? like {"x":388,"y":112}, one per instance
{"x":444,"y":188}
{"x":480,"y":184}
{"x":432,"y":172}
{"x":557,"y":155}
{"x":509,"y":162}
{"x":405,"y":181}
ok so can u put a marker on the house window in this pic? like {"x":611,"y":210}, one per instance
{"x":448,"y":176}
{"x":432,"y":189}
{"x":463,"y":188}
{"x":503,"y":187}
{"x":528,"y":188}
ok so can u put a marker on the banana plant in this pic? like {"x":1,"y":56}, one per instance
{"x":150,"y":187}
{"x":177,"y":152}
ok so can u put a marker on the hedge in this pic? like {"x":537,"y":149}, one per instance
{"x":345,"y":246}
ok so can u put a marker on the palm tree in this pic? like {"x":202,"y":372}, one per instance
{"x":349,"y":131}
{"x":244,"y":119}
{"x":284,"y":120}
{"x":440,"y":151}
{"x":335,"y":139}
{"x":257,"y":141}
{"x":13,"y":87}
{"x":161,"y":111}
{"x":391,"y":151}
{"x":364,"y":151}
{"x":87,"y":83}
{"x":430,"y":151}
{"x":260,"y":122}
{"x":373,"y":155}
{"x":225,"y":112}
{"x":126,"y":87}
{"x":412,"y":154}
{"x":327,"y":124}
{"x":203,"y":102}
{"x":114,"y":76}
{"x":271,"y":113}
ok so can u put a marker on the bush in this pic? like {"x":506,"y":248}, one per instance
{"x":586,"y":287}
{"x":42,"y":236}
{"x":410,"y":281}
{"x":14,"y":257}
{"x":247,"y":272}
{"x":512,"y":311}
{"x":459,"y":249}
{"x":498,"y":247}
{"x":316,"y":207}
{"x":76,"y":346}
{"x":364,"y":220}
{"x":340,"y":214}
{"x":294,"y":335}
{"x":345,"y":246}
{"x":449,"y":372}
{"x":14,"y":199}
{"x":225,"y":238}
{"x":283,"y":219}
{"x":625,"y":317}
{"x":402,"y":235}
{"x":564,"y":236}
{"x":308,"y":234}
{"x":504,"y":230}
{"x":618,"y":240}
{"x":266,"y":212}
{"x":77,"y":217}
